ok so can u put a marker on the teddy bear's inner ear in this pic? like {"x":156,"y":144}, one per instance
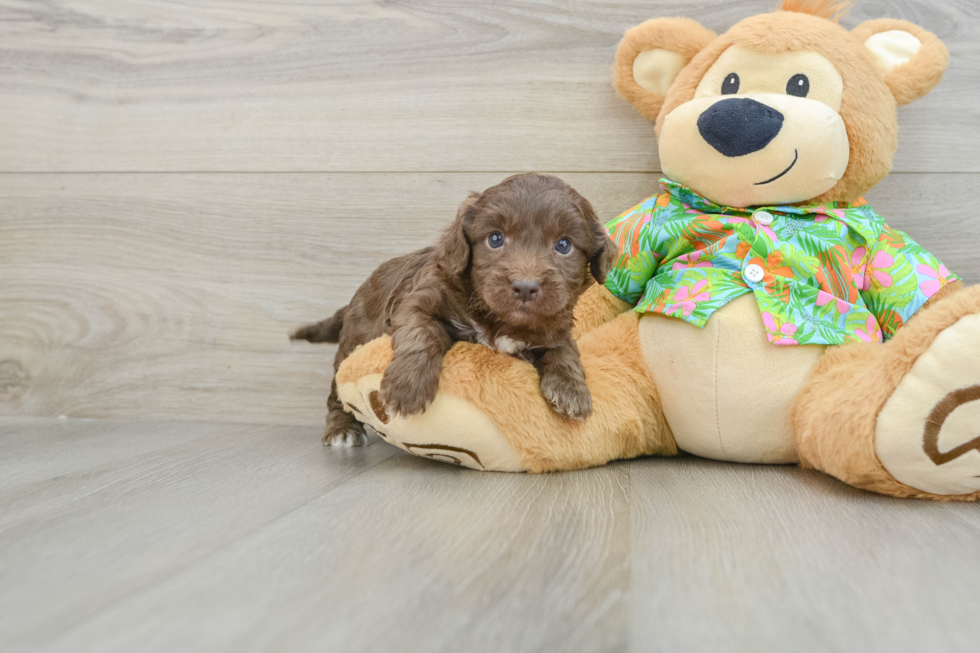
{"x":893,"y":48}
{"x":655,"y":70}
{"x":650,"y":57}
{"x":912,"y":59}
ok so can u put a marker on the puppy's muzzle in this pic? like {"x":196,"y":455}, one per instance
{"x":525,"y":290}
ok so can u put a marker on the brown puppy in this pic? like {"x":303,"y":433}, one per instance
{"x":506,"y":274}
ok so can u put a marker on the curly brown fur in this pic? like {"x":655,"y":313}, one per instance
{"x":516,"y":297}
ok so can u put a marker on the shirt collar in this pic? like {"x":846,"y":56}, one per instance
{"x":701,"y":203}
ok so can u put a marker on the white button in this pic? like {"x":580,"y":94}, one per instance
{"x":754,"y":273}
{"x":764,"y":218}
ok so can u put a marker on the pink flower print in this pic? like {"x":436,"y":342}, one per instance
{"x":824,"y":297}
{"x":871,"y":331}
{"x":876,"y":268}
{"x":857,"y":256}
{"x":861,"y":280}
{"x":768,"y":230}
{"x":691,"y":260}
{"x":688,"y":297}
{"x":937,"y":279}
{"x":779,"y":334}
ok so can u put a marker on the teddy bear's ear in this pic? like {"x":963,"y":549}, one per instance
{"x":912,"y":58}
{"x":651,"y":55}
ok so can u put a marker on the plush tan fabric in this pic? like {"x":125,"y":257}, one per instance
{"x":942,"y":457}
{"x":473,"y":441}
{"x":682,"y":36}
{"x":870,"y":95}
{"x":914,"y":79}
{"x":725,"y":390}
{"x":595,"y":307}
{"x":627,"y":420}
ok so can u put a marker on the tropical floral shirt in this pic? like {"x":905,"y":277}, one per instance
{"x":822,"y":274}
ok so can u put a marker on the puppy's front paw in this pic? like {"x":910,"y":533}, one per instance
{"x":344,"y":431}
{"x":351,"y":438}
{"x":405,"y":393}
{"x":568,"y":397}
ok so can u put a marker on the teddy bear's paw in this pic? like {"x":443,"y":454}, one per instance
{"x":451,"y":430}
{"x":928,"y":433}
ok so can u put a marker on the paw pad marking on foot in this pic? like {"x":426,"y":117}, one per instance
{"x":936,"y":419}
{"x":441,"y":452}
{"x":452,"y":430}
{"x":378,"y":407}
{"x":928,"y":432}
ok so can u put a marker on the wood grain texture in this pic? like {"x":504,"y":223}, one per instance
{"x":92,"y":513}
{"x":757,"y":558}
{"x":169,"y":296}
{"x":201,"y":537}
{"x":98,"y":85}
{"x":249,"y":540}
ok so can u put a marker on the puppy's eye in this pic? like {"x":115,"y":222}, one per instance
{"x":495,"y":240}
{"x":563,"y":246}
{"x":730,"y":85}
{"x":798,"y":85}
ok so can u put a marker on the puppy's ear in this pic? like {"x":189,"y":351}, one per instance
{"x":453,"y":251}
{"x":912,"y":59}
{"x":604,"y":254}
{"x":602,"y":251}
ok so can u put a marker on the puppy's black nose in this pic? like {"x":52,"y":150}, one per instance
{"x":525,"y":289}
{"x":739,"y":126}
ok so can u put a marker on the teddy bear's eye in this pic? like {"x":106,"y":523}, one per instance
{"x":798,"y":85}
{"x":730,"y":85}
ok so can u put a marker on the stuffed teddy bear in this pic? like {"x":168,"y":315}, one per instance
{"x":760,"y":310}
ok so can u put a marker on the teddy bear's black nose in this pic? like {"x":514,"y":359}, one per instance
{"x":739,"y":126}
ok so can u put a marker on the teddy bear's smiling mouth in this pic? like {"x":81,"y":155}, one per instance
{"x":796,"y":156}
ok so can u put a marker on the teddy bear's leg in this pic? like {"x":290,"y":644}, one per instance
{"x":490,"y":414}
{"x":901,"y":418}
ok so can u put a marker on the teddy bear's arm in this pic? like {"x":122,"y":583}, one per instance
{"x":595,"y":307}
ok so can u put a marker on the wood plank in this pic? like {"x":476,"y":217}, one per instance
{"x":756,"y":558}
{"x":161,"y":85}
{"x":170,"y":296}
{"x":237,"y":544}
{"x":101,"y":511}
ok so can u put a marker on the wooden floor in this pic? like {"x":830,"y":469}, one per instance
{"x":189,"y":537}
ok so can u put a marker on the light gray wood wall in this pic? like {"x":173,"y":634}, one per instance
{"x":183,"y":183}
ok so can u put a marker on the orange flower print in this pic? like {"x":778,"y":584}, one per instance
{"x":773,"y":266}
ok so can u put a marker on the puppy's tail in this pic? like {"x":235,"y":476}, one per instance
{"x":326,"y":331}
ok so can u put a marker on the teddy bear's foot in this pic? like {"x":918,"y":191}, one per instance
{"x":901,"y":418}
{"x":928,"y":433}
{"x":451,"y":430}
{"x":490,"y":413}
